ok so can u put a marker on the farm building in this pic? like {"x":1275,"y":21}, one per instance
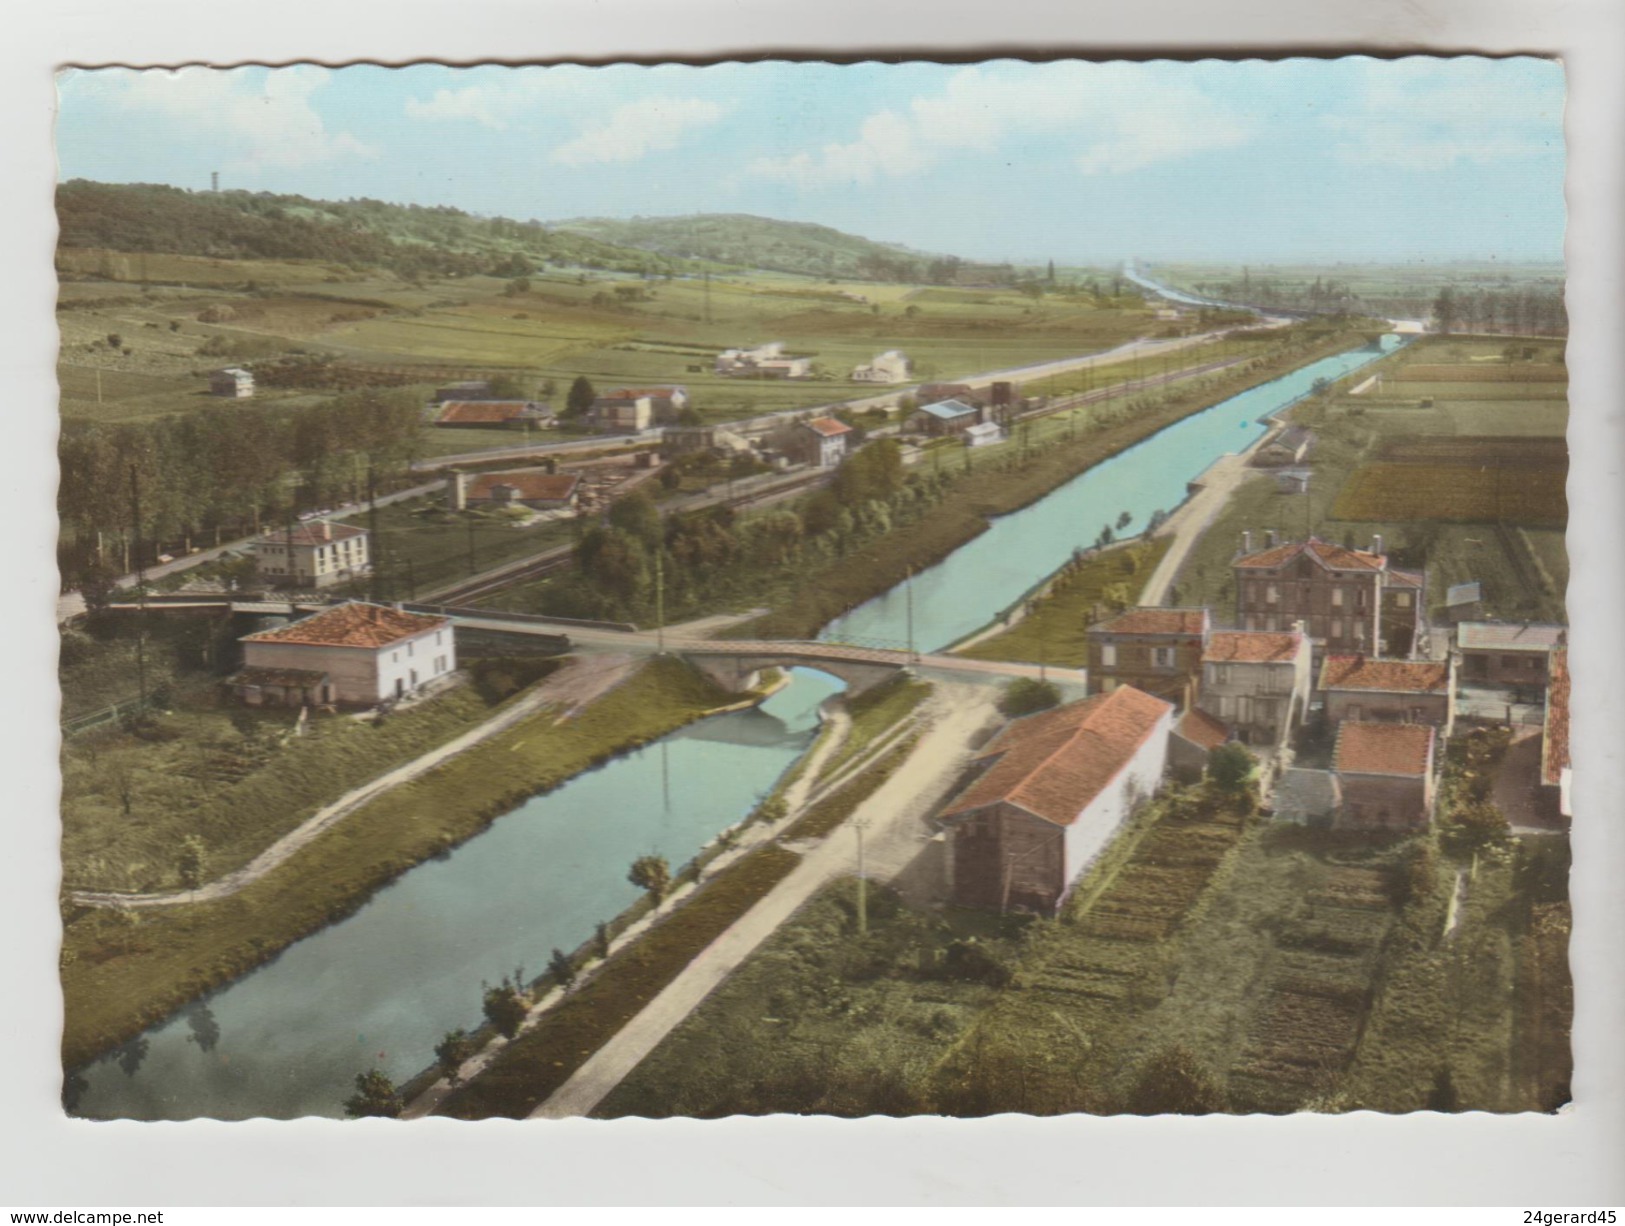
{"x":233,"y":381}
{"x":493,"y":414}
{"x":1554,"y":748}
{"x":767,"y":361}
{"x":536,"y":488}
{"x":1289,"y":446}
{"x":889,"y":367}
{"x":353,"y":654}
{"x":1257,"y":682}
{"x":1388,"y":691}
{"x":730,"y":360}
{"x":1158,"y":650}
{"x":931,"y":393}
{"x":665,"y":403}
{"x":313,"y":554}
{"x":1350,"y":600}
{"x":1384,"y":774}
{"x":945,"y":417}
{"x":1514,"y":655}
{"x":1194,"y":736}
{"x":1053,"y":790}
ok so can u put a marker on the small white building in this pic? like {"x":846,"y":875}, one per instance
{"x":233,"y":381}
{"x":889,"y":367}
{"x":314,"y":554}
{"x":353,"y":654}
{"x":622,"y":414}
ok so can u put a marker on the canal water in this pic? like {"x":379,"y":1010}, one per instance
{"x":985,"y":577}
{"x":380,"y":989}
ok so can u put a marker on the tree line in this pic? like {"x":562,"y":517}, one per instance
{"x":213,"y":473}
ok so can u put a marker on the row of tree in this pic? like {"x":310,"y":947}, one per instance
{"x":219,"y":472}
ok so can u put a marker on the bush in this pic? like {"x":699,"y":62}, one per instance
{"x":453,"y":1051}
{"x":971,"y":962}
{"x":1171,"y":1082}
{"x":375,"y":1095}
{"x":506,"y":1006}
{"x":1026,"y":695}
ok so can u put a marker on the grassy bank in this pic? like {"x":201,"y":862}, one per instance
{"x":536,"y":1064}
{"x":1055,"y":629}
{"x":999,"y":484}
{"x":122,"y":972}
{"x":238,"y":779}
{"x":835,"y":808}
{"x":874,"y":712}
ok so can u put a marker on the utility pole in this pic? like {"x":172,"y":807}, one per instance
{"x":860,"y":825}
{"x":660,"y":601}
{"x":908,"y":599}
{"x":375,"y":543}
{"x":468,"y":518}
{"x":707,"y":282}
{"x":140,"y":590}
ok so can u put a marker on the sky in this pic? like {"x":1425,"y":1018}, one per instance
{"x":1352,"y":159}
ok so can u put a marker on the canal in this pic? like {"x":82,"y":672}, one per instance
{"x":984,"y":577}
{"x":379,"y":989}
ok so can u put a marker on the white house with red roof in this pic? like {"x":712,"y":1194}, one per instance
{"x":1053,"y":790}
{"x":353,"y":654}
{"x":313,"y":554}
{"x":822,"y":441}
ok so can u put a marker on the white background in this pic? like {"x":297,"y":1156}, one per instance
{"x":47,"y":1161}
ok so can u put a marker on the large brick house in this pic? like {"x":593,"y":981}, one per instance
{"x":1350,"y":600}
{"x":1388,"y":691}
{"x":1054,"y":788}
{"x":1158,"y":650}
{"x":1257,"y":681}
{"x":353,"y":654}
{"x":1384,"y":774}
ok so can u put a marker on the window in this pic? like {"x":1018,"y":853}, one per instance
{"x":1403,"y":600}
{"x":1337,"y":598}
{"x":1162,"y":657}
{"x":1359,"y":631}
{"x":1108,"y":655}
{"x":1272,"y":593}
{"x":1337,"y":628}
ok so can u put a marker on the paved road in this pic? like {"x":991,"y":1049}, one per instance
{"x":895,"y":833}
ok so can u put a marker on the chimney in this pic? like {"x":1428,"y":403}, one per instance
{"x":457,"y":491}
{"x":1272,"y":538}
{"x":1299,"y":628}
{"x":324,"y":530}
{"x":1247,"y":541}
{"x":1376,"y":544}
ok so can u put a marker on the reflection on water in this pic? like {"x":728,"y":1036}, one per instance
{"x":382,"y":987}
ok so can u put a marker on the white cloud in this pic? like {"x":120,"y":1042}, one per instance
{"x":1108,"y":118}
{"x":1422,"y":114}
{"x":261,"y":119}
{"x":490,"y":103}
{"x":636,"y":129}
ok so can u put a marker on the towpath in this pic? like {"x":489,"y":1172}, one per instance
{"x":894,"y":821}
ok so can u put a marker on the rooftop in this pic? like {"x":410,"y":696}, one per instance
{"x":1055,"y":763}
{"x":947,"y":409}
{"x":827,"y":426}
{"x":353,"y":624}
{"x":312,"y":532}
{"x":1200,"y":728}
{"x":1332,"y":557}
{"x":1301,"y":794}
{"x":1252,"y":647}
{"x":530,"y":484}
{"x":463,"y":412}
{"x":1509,"y":636}
{"x":1463,"y":593}
{"x":1383,"y":749}
{"x":1355,"y":672}
{"x":1153,"y":620}
{"x":1554,"y":754}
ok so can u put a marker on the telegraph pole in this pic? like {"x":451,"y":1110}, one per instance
{"x":860,"y":825}
{"x":660,"y":601}
{"x":140,"y":589}
{"x":908,"y":601}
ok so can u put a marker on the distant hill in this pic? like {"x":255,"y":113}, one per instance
{"x":785,"y":246}
{"x":409,"y":239}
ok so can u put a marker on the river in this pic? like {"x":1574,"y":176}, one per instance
{"x":986,"y":576}
{"x":380,"y":988}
